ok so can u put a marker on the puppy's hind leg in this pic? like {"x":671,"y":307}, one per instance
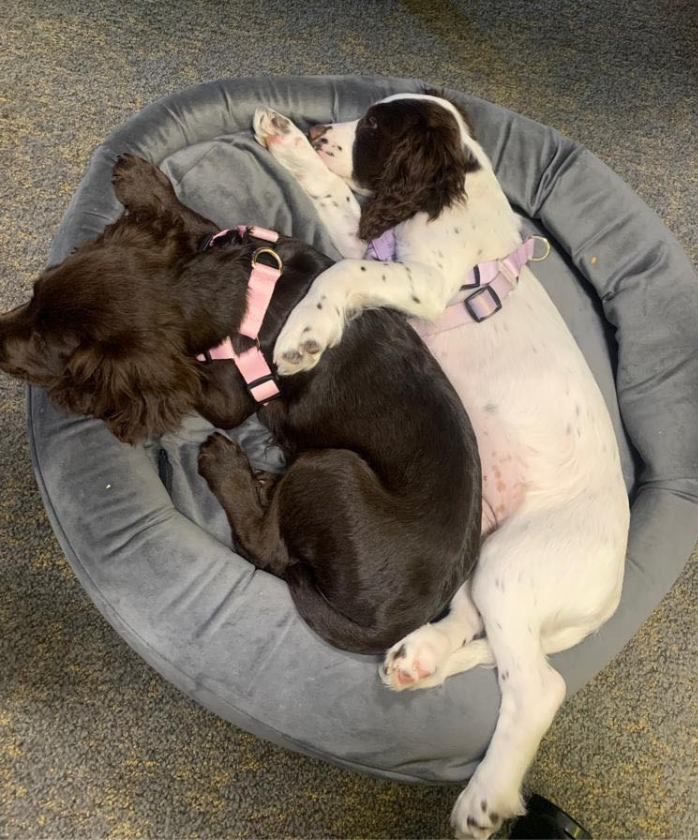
{"x":419,"y":660}
{"x":514,"y":603}
{"x":531,"y":693}
{"x":247,"y":500}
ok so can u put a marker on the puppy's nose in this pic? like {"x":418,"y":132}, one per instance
{"x":316,"y":132}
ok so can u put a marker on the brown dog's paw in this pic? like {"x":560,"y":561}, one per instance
{"x":219,"y":459}
{"x":266,"y":482}
{"x":139,"y":185}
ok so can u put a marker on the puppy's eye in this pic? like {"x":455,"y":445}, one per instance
{"x":371,"y":122}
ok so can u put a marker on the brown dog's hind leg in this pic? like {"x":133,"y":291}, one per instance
{"x":245,"y":500}
{"x":146,"y":191}
{"x":140,"y":186}
{"x":266,"y":481}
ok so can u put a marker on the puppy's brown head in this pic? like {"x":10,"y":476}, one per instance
{"x":409,"y":152}
{"x":104,"y":340}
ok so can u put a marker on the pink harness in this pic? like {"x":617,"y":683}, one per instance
{"x":492,"y":282}
{"x":251,"y":363}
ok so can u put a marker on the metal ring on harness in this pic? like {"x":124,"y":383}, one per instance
{"x":271,"y":253}
{"x":546,"y":242}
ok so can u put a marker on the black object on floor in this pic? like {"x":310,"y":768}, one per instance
{"x":545,"y":820}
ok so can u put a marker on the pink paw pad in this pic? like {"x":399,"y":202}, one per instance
{"x":408,"y":677}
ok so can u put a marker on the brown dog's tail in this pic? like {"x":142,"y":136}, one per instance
{"x":331,"y":625}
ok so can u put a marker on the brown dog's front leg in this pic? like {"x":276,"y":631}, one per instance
{"x":252,"y":516}
{"x":224,"y":400}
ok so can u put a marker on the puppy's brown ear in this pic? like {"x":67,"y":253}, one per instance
{"x":425,"y":172}
{"x":137,"y":389}
{"x":467,"y":119}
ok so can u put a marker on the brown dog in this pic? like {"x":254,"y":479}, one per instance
{"x":376,"y":522}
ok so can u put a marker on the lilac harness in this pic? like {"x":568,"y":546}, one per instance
{"x":384,"y":248}
{"x":486,"y":288}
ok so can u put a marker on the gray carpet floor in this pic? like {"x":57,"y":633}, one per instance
{"x":92,"y":742}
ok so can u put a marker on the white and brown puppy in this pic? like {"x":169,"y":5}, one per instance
{"x":556,"y":515}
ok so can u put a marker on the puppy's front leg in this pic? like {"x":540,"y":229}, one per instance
{"x":345,"y":289}
{"x":334,"y":202}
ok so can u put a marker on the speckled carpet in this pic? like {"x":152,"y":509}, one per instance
{"x":92,"y":742}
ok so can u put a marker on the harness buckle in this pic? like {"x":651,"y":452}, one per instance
{"x":545,"y":242}
{"x":272,"y":253}
{"x":494,"y":300}
{"x":269,"y":377}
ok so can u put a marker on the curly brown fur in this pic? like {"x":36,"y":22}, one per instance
{"x":372,"y":530}
{"x":103,"y":345}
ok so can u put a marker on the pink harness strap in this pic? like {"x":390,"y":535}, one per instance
{"x":251,"y":363}
{"x":259,"y":292}
{"x":493,"y":282}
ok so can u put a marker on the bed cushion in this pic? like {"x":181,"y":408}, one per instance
{"x":151,"y":545}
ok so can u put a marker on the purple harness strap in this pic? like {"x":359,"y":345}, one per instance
{"x":383,"y":248}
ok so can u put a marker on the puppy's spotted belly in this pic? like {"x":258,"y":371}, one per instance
{"x":502,"y":472}
{"x":501,"y":458}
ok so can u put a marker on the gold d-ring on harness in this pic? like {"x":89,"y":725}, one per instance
{"x":258,"y":253}
{"x":545,"y":241}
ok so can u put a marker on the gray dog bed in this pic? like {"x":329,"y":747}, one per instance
{"x":151,"y":545}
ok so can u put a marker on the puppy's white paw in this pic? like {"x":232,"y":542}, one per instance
{"x":415,"y":662}
{"x":313,"y":326}
{"x":287,"y":144}
{"x":272,"y":128}
{"x":481,"y":809}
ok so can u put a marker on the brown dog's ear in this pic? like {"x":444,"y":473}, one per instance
{"x":137,"y":389}
{"x":425,"y":172}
